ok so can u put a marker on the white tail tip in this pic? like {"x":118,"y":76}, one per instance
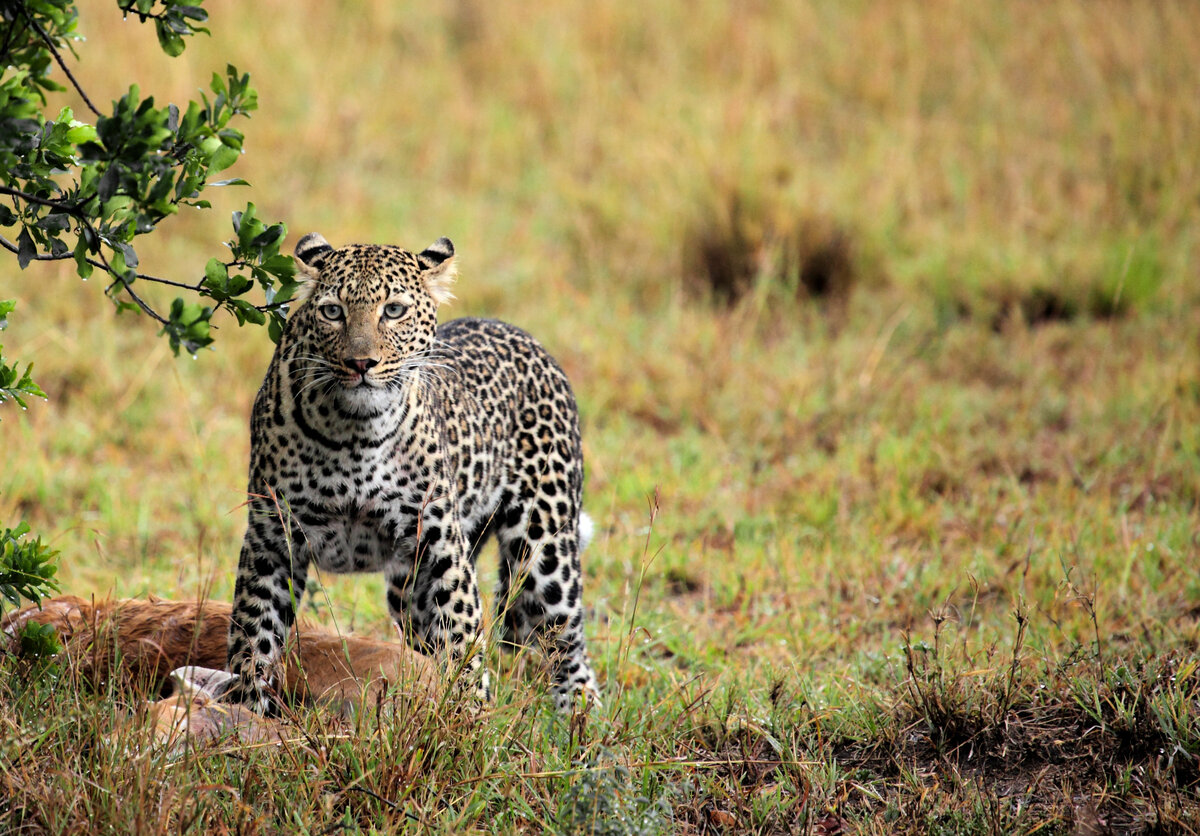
{"x":587,"y":530}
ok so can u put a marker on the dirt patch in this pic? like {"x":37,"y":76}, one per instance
{"x":680,"y":583}
{"x":1063,"y":753}
{"x":1085,"y":769}
{"x":748,"y":766}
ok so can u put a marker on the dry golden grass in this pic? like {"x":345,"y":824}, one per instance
{"x":1006,"y":410}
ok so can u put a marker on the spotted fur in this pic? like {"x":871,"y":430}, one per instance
{"x":381,"y":442}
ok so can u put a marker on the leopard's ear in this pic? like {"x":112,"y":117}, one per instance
{"x":312,"y":248}
{"x":440,"y":269}
{"x":310,"y":251}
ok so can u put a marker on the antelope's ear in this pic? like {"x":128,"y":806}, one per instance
{"x":193,"y":681}
{"x":440,"y":270}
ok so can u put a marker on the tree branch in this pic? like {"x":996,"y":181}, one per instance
{"x":102,"y":263}
{"x":12,"y":248}
{"x":128,"y":9}
{"x":195,"y":288}
{"x":53,"y":204}
{"x":9,"y":36}
{"x":57,"y":57}
{"x":150,"y":312}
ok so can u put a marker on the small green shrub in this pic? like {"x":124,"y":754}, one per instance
{"x":602,"y":801}
{"x":27,"y":567}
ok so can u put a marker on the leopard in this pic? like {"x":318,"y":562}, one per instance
{"x":381,"y":441}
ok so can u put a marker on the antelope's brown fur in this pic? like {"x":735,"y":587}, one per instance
{"x":142,"y":641}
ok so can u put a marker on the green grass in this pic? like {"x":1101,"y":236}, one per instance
{"x":828,"y":514}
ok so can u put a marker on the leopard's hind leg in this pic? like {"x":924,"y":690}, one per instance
{"x":540,"y":594}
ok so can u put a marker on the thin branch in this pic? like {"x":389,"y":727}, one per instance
{"x":149,"y":311}
{"x":102,"y":263}
{"x":12,"y":248}
{"x":86,"y":222}
{"x":128,"y":9}
{"x":195,"y":288}
{"x":54,"y":51}
{"x":41,"y":201}
{"x":107,"y":268}
{"x":120,"y":279}
{"x":9,"y":37}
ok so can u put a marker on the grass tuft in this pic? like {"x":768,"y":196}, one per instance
{"x":743,"y":244}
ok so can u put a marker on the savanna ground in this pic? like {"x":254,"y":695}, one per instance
{"x":882,"y":319}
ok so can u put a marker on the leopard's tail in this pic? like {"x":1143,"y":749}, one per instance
{"x":587,"y":530}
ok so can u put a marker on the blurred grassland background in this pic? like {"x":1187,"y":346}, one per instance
{"x":885,"y":307}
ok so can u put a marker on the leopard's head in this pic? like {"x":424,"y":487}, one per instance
{"x":368,"y":313}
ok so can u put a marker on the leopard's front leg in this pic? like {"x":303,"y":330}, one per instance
{"x":270,"y":580}
{"x":434,"y":598}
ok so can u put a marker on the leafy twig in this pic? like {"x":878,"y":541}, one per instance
{"x":61,"y":63}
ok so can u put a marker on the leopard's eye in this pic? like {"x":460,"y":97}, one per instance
{"x":332,"y":312}
{"x":394,"y":310}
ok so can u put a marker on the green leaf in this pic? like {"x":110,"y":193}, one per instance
{"x":275,"y":327}
{"x":216,"y":273}
{"x":222,"y":158}
{"x":282,"y":267}
{"x":193,"y":13}
{"x":82,"y":132}
{"x":188,"y":326}
{"x":26,"y":385}
{"x":55,"y":222}
{"x":171,"y":41}
{"x":273,"y":235}
{"x":246,"y":312}
{"x":26,"y":249}
{"x":83,"y":268}
{"x":120,"y":268}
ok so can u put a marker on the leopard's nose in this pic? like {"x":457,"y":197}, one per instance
{"x":361,"y":364}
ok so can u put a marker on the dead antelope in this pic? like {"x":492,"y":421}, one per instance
{"x":154,"y":644}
